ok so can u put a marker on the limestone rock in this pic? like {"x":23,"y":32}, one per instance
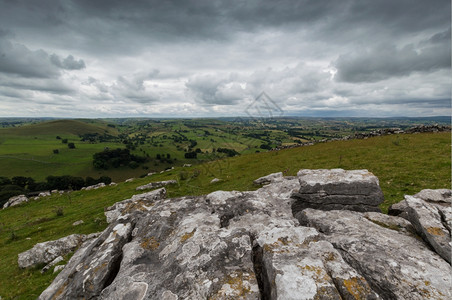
{"x":76,"y":223}
{"x":47,"y":251}
{"x":439,"y":196}
{"x":92,"y":266}
{"x":44,"y":194}
{"x":94,"y":187}
{"x":269,"y":178}
{"x":430,"y":212}
{"x":337,"y":189}
{"x":248,"y":245}
{"x":157,"y":184}
{"x":58,"y":268}
{"x":141,"y":202}
{"x":184,"y":248}
{"x":426,"y":218}
{"x":396,"y":265}
{"x":16,"y":200}
{"x":215,"y":180}
{"x":51,"y":264}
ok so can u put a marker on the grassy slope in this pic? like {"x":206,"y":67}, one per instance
{"x":404,"y":164}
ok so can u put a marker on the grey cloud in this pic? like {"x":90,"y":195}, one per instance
{"x":113,"y":26}
{"x":69,"y":63}
{"x":215,"y":89}
{"x":19,"y":60}
{"x":387,"y":61}
{"x":47,"y":85}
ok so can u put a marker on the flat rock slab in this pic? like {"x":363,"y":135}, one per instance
{"x":396,"y":264}
{"x":337,"y":189}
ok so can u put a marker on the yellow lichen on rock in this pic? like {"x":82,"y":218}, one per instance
{"x":150,"y":243}
{"x":187,"y":236}
{"x":356,"y":288}
{"x":435,"y":231}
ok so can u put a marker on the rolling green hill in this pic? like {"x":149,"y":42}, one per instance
{"x":29,"y":150}
{"x":404,"y":164}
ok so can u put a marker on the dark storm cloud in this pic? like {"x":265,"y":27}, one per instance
{"x":204,"y":54}
{"x":103,"y":24}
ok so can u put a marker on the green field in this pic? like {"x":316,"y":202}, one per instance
{"x":27,"y":149}
{"x":404,"y":164}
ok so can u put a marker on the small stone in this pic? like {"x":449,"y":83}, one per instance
{"x":215,"y":180}
{"x":76,"y":223}
{"x":58,"y":268}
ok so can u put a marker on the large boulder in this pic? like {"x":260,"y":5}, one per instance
{"x":337,"y":189}
{"x":15,"y":200}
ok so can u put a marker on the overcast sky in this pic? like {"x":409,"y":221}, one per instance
{"x":117,"y":58}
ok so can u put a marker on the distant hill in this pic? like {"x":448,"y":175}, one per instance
{"x":75,"y":127}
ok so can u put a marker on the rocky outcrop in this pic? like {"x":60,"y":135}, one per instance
{"x":16,"y":200}
{"x":48,"y":251}
{"x":337,"y":189}
{"x":430,"y":213}
{"x":249,"y":245}
{"x":154,"y":185}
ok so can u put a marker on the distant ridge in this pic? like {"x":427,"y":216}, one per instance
{"x":68,"y":126}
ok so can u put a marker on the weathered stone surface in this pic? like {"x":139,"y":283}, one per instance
{"x":153,"y":185}
{"x":92,"y":267}
{"x":47,"y":251}
{"x":439,"y":196}
{"x":140,"y":202}
{"x":337,"y":189}
{"x":248,"y":245}
{"x":16,"y":200}
{"x":395,"y":264}
{"x":430,"y":212}
{"x":296,"y":266}
{"x":185,"y":248}
{"x":269,"y":178}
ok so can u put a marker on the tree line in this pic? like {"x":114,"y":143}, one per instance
{"x":19,"y":185}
